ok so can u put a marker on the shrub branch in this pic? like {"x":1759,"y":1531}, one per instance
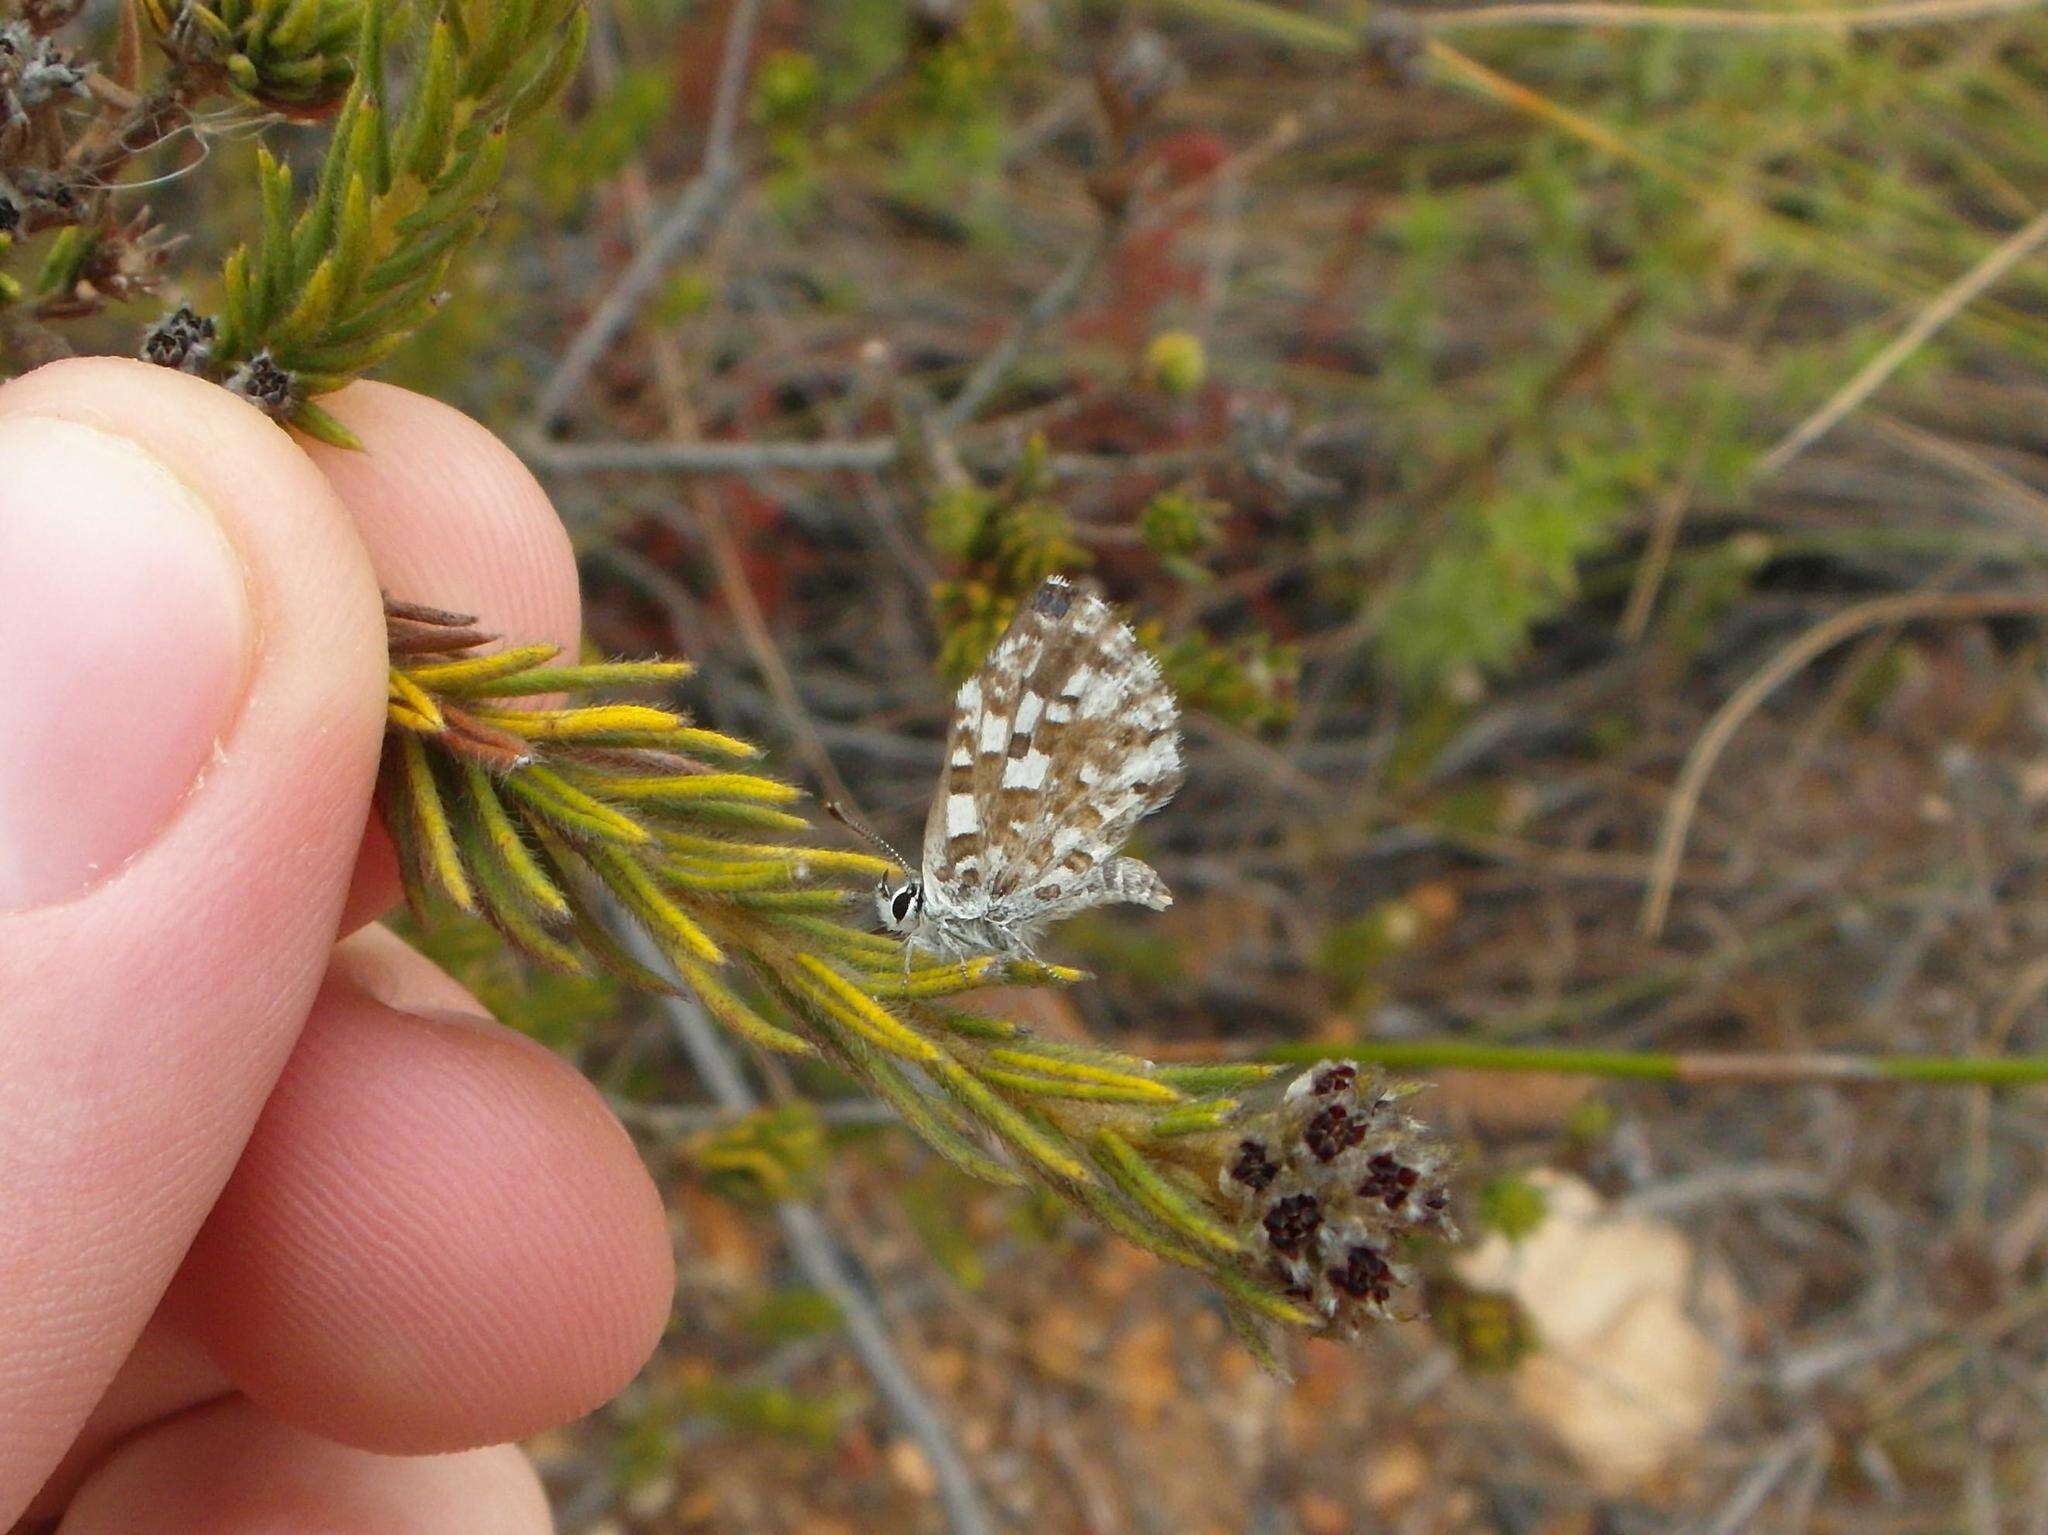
{"x":553,"y":823}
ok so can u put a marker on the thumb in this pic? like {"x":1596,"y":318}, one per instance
{"x":191,"y":679}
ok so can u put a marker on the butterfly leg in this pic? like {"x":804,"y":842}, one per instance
{"x":912,"y":942}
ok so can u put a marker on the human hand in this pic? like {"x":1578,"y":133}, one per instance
{"x":272,"y":1211}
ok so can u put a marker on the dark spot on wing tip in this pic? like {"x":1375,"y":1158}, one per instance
{"x":1053,"y":598}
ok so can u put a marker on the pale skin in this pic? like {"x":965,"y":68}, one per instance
{"x":283,"y":1210}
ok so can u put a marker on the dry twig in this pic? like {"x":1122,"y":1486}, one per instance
{"x":693,"y":214}
{"x":827,"y":1268}
{"x":1871,"y":376}
{"x":1699,"y":765}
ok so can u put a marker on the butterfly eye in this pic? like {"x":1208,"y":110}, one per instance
{"x":899,"y":908}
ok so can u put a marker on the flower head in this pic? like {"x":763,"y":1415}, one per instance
{"x":1328,"y":1185}
{"x":182,"y":339}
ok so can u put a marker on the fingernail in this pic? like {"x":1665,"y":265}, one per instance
{"x":125,"y":637}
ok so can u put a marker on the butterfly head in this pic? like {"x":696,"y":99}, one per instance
{"x":899,"y":906}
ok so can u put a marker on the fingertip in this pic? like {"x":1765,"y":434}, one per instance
{"x":388,"y":969}
{"x":233,"y":1470}
{"x":454,"y":520}
{"x":437,"y":1237}
{"x":451,"y":516}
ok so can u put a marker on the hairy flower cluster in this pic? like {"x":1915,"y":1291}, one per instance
{"x":34,"y":71}
{"x":265,"y":385}
{"x":182,"y":339}
{"x":87,"y":268}
{"x":1329,"y":1185}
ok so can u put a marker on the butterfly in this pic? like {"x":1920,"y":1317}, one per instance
{"x":1065,"y":739}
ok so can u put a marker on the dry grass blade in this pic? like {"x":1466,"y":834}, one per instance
{"x":1708,"y":18}
{"x":1868,"y":379}
{"x":1706,"y":752}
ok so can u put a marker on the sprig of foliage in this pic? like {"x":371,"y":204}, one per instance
{"x":552,"y":822}
{"x":766,"y":1156}
{"x":295,"y":56}
{"x":1249,"y":682}
{"x":66,"y":129}
{"x":342,"y":276}
{"x":1003,"y":542}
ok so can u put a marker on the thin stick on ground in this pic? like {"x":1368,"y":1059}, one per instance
{"x":693,"y":214}
{"x":1287,"y":25}
{"x":1763,"y":1477}
{"x":1871,"y":376}
{"x":710,"y":519}
{"x":1747,"y":1067}
{"x":747,"y":458}
{"x":605,"y":69}
{"x":860,"y":455}
{"x":746,"y":612}
{"x":1051,"y":302}
{"x":827,"y":1268}
{"x":1706,"y":752}
{"x":869,"y":455}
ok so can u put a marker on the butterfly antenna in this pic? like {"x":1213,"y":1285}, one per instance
{"x":862,"y":830}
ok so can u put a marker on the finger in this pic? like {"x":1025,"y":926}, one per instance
{"x":166,"y":1373}
{"x":191,"y":672}
{"x":451,"y":516}
{"x":438,"y":1235}
{"x":452,"y":519}
{"x":231,"y":1470}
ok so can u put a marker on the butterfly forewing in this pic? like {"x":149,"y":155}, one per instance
{"x":1060,"y":744}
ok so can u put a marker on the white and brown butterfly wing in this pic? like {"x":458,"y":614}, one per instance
{"x":1061,"y":743}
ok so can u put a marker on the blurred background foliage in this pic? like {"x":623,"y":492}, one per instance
{"x":1421,"y":409}
{"x":1431,"y":397}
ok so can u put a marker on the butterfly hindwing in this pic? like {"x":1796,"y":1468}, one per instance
{"x":1060,"y":744}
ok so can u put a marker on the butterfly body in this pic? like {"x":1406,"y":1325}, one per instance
{"x":1064,"y":740}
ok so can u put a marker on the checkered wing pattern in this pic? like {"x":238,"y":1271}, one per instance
{"x":1061,"y":744}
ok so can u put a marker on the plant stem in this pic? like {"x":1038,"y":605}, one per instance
{"x":702,"y":201}
{"x":1677,"y":1066}
{"x":824,"y":1263}
{"x":1747,"y":699}
{"x":1283,"y":24}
